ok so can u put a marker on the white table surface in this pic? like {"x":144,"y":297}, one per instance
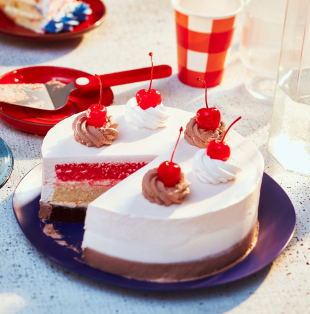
{"x":31,"y":283}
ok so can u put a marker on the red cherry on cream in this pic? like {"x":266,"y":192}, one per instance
{"x":169,"y":173}
{"x":96,"y":114}
{"x":218,"y":149}
{"x":208,"y":118}
{"x":147,"y":98}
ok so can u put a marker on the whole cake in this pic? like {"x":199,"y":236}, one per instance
{"x":125,"y":233}
{"x":149,"y":218}
{"x":42,"y":16}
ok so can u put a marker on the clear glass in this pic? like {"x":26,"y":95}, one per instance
{"x":289,"y":138}
{"x":261,"y":44}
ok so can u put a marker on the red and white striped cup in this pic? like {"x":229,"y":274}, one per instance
{"x":204,"y":33}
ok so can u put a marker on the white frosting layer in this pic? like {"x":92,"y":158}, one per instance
{"x":123,"y":224}
{"x":214,"y":171}
{"x":151,"y":118}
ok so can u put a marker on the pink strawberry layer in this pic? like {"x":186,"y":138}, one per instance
{"x":96,"y":171}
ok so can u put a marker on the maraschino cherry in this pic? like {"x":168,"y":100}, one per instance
{"x":147,"y":98}
{"x":96,"y":114}
{"x":169,"y":173}
{"x":208,"y":118}
{"x":218,"y":149}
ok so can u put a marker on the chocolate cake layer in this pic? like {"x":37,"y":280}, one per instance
{"x":59,"y":213}
{"x":173,"y":271}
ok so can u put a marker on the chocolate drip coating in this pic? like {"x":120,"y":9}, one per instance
{"x":201,"y":138}
{"x":91,"y":136}
{"x":155,"y":191}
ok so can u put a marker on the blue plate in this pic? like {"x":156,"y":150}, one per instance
{"x":276,"y":217}
{"x":6,"y":162}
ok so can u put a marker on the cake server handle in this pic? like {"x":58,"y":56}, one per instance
{"x":89,"y":83}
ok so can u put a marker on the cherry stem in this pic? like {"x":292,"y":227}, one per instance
{"x":205,"y":84}
{"x":181,"y":130}
{"x":151,"y":55}
{"x":100,"y":83}
{"x":229,"y":128}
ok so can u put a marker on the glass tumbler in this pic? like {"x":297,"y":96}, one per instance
{"x":289,"y":137}
{"x":261,"y":44}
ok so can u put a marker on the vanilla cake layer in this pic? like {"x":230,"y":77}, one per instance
{"x":81,"y":193}
{"x":215,"y":225}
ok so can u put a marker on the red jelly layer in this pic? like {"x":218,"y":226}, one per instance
{"x":96,"y":171}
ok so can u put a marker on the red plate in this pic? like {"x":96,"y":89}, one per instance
{"x":8,"y":27}
{"x":37,"y":121}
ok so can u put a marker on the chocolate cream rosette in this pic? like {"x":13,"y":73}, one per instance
{"x":166,"y":185}
{"x":95,"y":127}
{"x":205,"y":126}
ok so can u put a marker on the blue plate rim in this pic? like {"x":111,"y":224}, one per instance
{"x":12,"y":163}
{"x":175,"y":286}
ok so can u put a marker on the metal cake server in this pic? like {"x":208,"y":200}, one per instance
{"x":54,"y":95}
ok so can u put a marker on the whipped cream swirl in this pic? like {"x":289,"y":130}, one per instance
{"x":151,"y":118}
{"x":156,"y":192}
{"x":213,"y":171}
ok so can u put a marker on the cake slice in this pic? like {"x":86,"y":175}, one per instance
{"x":36,"y":14}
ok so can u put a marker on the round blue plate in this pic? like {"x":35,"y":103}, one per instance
{"x":276,"y":217}
{"x":6,"y":162}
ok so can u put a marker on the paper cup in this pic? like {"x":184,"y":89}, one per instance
{"x":204,"y":30}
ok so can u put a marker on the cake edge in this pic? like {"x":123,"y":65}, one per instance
{"x":174,"y":272}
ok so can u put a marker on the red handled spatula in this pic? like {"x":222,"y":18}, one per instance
{"x":54,"y":95}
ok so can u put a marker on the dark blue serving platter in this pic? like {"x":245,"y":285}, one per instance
{"x":6,"y":162}
{"x":276,"y":217}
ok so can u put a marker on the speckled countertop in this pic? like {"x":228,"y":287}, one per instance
{"x":31,"y":283}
